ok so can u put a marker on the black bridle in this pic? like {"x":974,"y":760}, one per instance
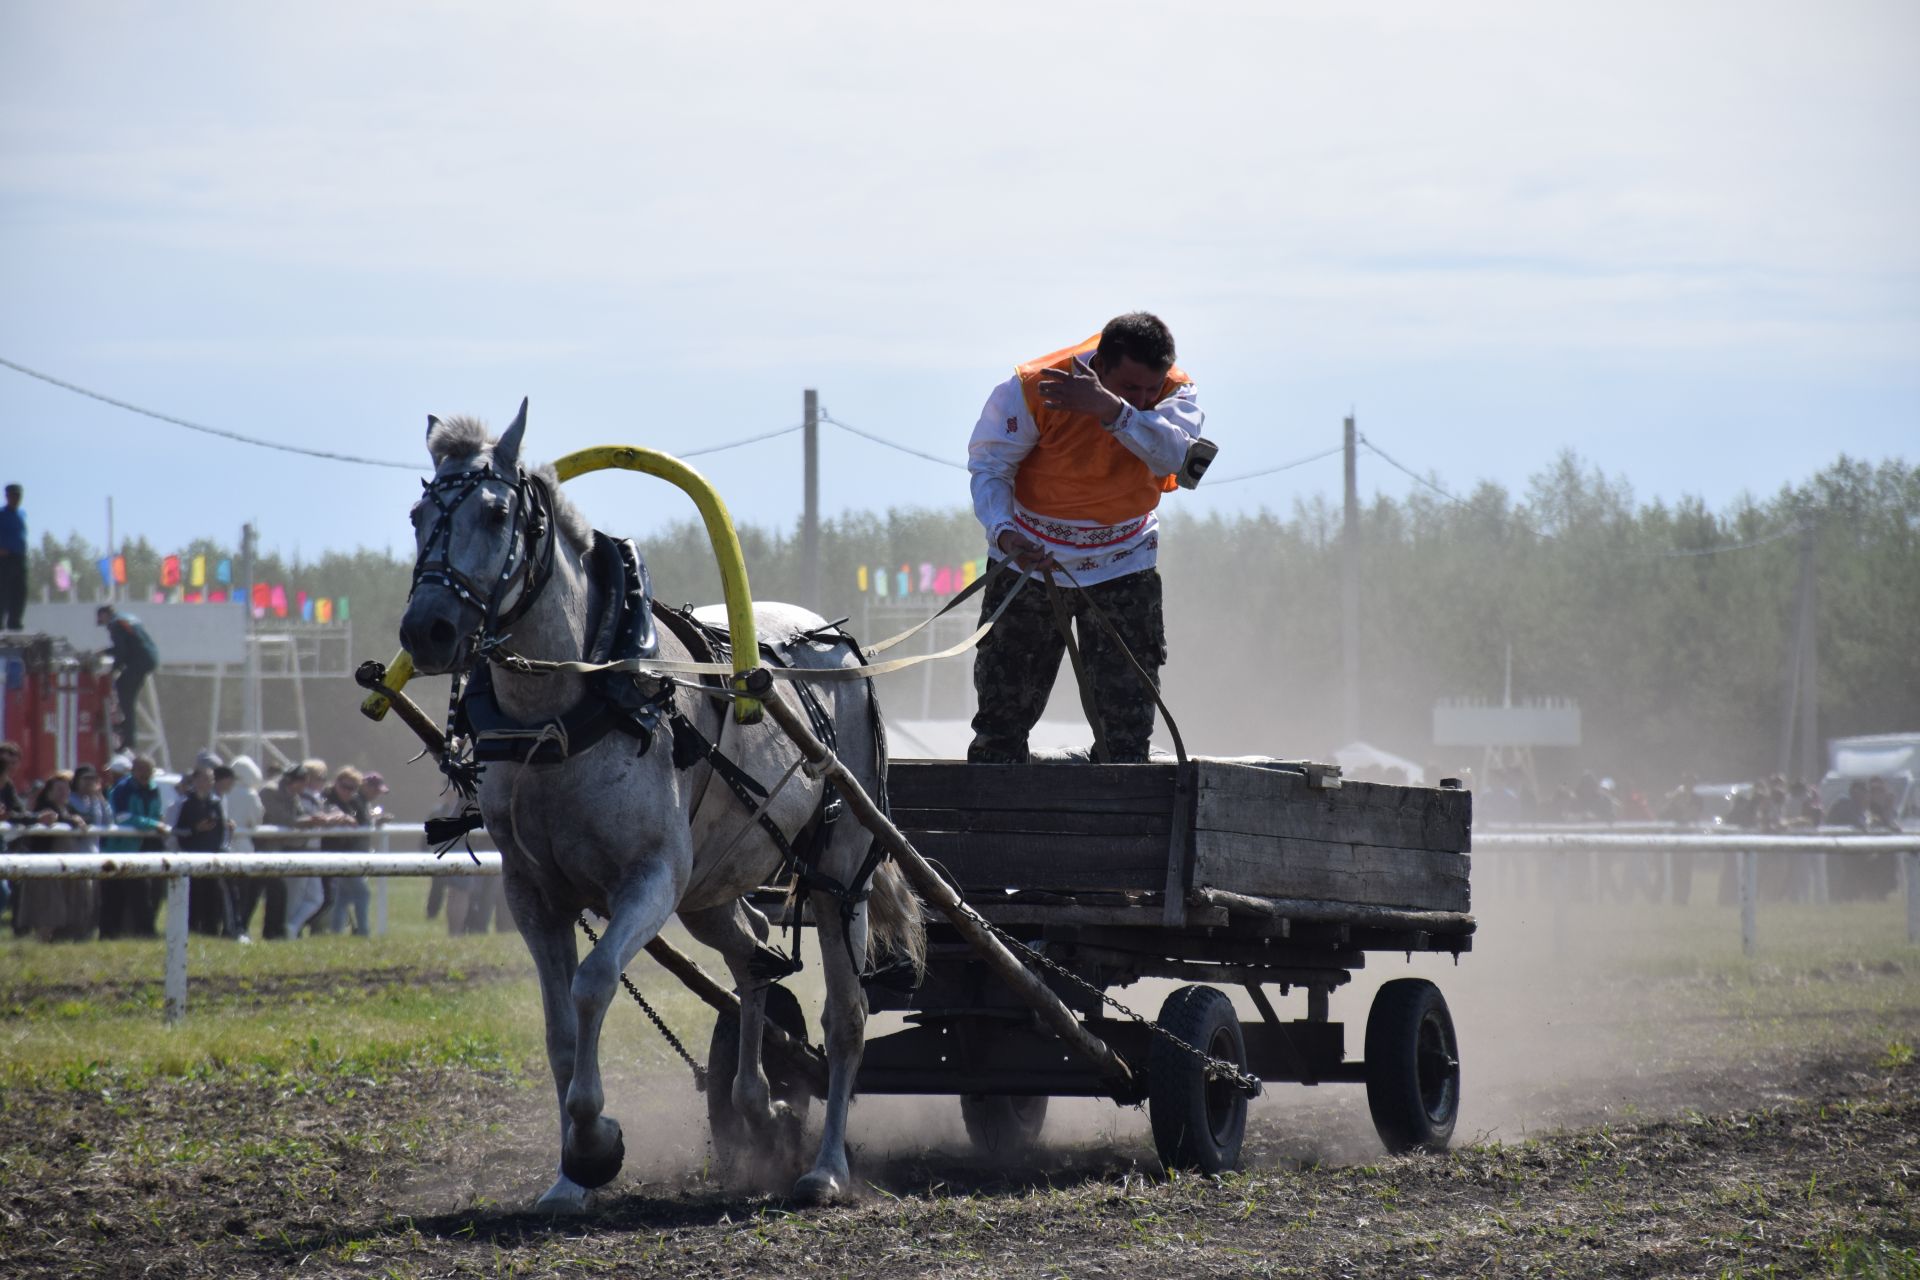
{"x":530,"y":547}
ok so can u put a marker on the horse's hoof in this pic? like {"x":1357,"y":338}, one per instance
{"x":818,"y":1187}
{"x":565,"y":1196}
{"x":595,"y":1160}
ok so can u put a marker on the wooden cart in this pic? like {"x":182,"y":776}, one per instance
{"x":1251,"y":874}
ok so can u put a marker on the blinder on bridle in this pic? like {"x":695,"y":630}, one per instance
{"x":530,"y":547}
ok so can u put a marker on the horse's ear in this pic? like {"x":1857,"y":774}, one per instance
{"x":432,"y":422}
{"x":506,"y":454}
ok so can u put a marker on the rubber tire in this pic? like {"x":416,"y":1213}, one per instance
{"x":1197,"y":1124}
{"x":1413,"y":1067}
{"x":1002,"y":1126}
{"x":729,"y":1130}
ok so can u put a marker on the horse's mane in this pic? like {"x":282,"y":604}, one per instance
{"x":459,"y":438}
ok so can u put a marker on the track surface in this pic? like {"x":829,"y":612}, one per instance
{"x":416,"y":1170}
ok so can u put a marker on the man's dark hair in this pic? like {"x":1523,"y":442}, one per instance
{"x":1139,"y":336}
{"x":221,"y":773}
{"x":15,"y":491}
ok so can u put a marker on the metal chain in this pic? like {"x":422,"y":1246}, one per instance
{"x":699,"y":1072}
{"x":1216,"y":1068}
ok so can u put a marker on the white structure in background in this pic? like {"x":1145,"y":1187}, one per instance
{"x":214,"y":642}
{"x":1892,"y":757}
{"x":1507,"y":734}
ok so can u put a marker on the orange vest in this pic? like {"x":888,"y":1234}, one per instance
{"x":1078,"y":470}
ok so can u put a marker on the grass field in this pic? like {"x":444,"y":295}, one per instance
{"x":1640,"y":1099}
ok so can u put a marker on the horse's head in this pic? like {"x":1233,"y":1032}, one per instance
{"x":484,"y":538}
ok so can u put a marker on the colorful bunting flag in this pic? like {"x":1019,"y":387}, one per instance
{"x":120,"y":571}
{"x":340,"y":609}
{"x":193,"y":597}
{"x":63,"y":576}
{"x":216,"y":596}
{"x":277,"y":600}
{"x":159,"y":596}
{"x":170,"y":571}
{"x":306,"y":607}
{"x":323,"y":610}
{"x":105,"y":565}
{"x":199,"y":576}
{"x":223,"y":572}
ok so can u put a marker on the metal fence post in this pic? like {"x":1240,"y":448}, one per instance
{"x":178,"y":889}
{"x":385,"y":845}
{"x":1911,"y":861}
{"x":1821,"y":894}
{"x":1749,"y":900}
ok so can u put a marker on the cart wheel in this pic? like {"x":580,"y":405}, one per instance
{"x":1413,"y":1066}
{"x":1197,"y":1123}
{"x":730,"y":1137}
{"x":1002,"y":1125}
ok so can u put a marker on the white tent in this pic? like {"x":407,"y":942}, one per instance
{"x":1361,"y":759}
{"x":948,"y":739}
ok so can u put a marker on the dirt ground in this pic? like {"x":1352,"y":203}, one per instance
{"x":417,"y":1172}
{"x":1636,"y":1104}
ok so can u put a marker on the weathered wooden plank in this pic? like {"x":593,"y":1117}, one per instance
{"x":1064,"y":863}
{"x":1268,"y":802}
{"x":1284,"y":867}
{"x":1099,"y":788}
{"x":1059,"y":822}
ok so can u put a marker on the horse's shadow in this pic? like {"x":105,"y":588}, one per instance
{"x":652,"y":1209}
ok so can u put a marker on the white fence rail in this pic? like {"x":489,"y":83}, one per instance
{"x":1563,"y":845}
{"x":1574,"y":852}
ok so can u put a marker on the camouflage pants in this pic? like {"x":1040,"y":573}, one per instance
{"x":1014,"y":669}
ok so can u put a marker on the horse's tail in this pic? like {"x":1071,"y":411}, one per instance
{"x":894,"y":918}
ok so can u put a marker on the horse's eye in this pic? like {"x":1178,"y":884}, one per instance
{"x":496,"y":516}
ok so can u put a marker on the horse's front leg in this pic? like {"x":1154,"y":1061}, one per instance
{"x":842,"y":949}
{"x":555,"y":955}
{"x":593,"y":1150}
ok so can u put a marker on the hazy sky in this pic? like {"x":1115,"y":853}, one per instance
{"x":1683,"y":239}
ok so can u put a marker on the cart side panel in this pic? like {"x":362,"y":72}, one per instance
{"x":1269,"y":802}
{"x":1067,"y":828}
{"x":1271,"y":834}
{"x":1278,"y":867}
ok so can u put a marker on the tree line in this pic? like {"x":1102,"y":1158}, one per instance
{"x":1675,"y":645}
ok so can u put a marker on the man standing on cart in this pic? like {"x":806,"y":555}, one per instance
{"x":1068,"y":463}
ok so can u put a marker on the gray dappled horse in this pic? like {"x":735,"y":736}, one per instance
{"x":618,"y":828}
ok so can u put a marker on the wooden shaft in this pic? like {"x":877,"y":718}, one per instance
{"x":417,"y":720}
{"x":802,"y":1055}
{"x":1053,"y":1013}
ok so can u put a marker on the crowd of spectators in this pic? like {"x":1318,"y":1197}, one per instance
{"x":220,"y":806}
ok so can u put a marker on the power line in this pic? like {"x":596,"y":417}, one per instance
{"x":202,"y":427}
{"x":735,"y":444}
{"x":1788,"y":532}
{"x":1390,"y":460}
{"x":882,"y":440}
{"x":1285,"y":466}
{"x":316,"y":453}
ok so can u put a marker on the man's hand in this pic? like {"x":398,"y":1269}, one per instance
{"x":1025,"y":553}
{"x":1077,"y":389}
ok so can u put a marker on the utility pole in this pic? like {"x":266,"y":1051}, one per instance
{"x":810,"y":513}
{"x":1350,"y":590}
{"x":1801,"y":716}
